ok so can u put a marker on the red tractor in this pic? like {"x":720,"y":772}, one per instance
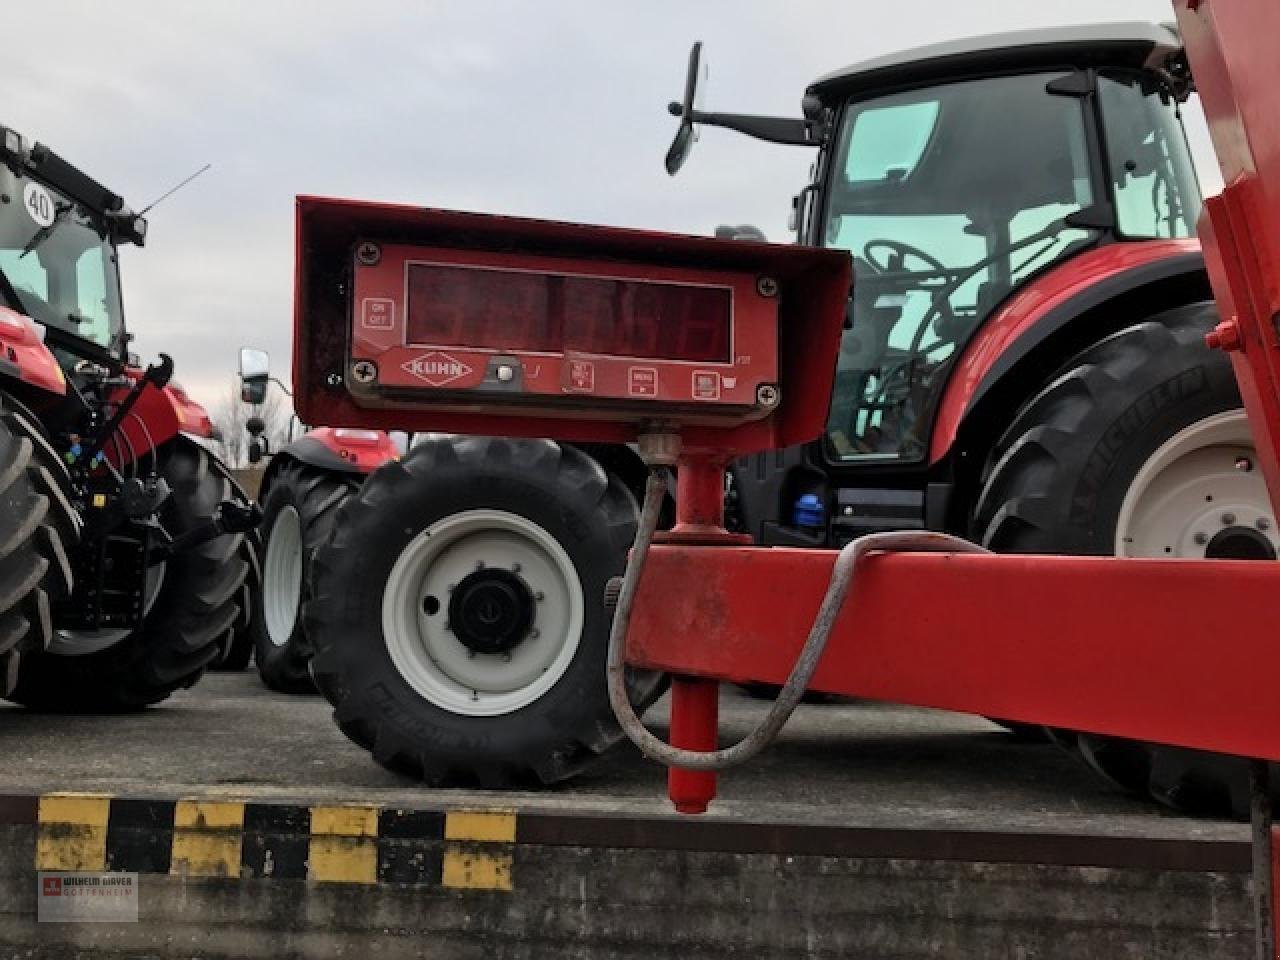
{"x":304,"y":484}
{"x":1023,"y":364}
{"x":123,"y":565}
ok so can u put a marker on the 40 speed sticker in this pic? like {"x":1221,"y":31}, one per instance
{"x":39,"y":204}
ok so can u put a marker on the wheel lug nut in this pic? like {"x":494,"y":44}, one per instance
{"x":1201,"y":539}
{"x":1228,"y":519}
{"x":515,"y":568}
{"x":539,"y":596}
{"x":479,"y":564}
{"x":535,"y":633}
{"x":1263,"y":523}
{"x":1244,"y":464}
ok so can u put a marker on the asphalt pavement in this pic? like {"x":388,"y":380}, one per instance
{"x":855,"y":764}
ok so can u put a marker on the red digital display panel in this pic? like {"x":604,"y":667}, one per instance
{"x":519,"y":312}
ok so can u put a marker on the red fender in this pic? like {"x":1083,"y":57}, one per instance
{"x":24,"y":356}
{"x":364,"y":450}
{"x":1026,"y":308}
{"x":157,"y":417}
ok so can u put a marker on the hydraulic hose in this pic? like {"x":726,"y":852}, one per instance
{"x":842,"y":574}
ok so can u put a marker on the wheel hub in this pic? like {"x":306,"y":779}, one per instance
{"x":1240,"y":543}
{"x":1199,"y":495}
{"x":482,"y":612}
{"x":491,"y":611}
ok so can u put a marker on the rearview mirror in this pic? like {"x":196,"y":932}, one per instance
{"x":687,"y":133}
{"x":255,"y":370}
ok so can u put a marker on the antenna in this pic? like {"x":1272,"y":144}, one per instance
{"x":172,"y":190}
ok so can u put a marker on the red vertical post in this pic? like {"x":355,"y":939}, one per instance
{"x":695,"y":719}
{"x":695,"y":703}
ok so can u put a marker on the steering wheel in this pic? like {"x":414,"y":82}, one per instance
{"x":903,"y":250}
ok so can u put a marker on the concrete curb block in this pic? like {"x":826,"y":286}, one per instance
{"x":241,"y":878}
{"x":471,"y":849}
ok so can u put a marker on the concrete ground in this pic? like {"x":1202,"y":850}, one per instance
{"x":854,"y":764}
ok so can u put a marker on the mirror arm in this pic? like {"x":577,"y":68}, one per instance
{"x":784,"y":130}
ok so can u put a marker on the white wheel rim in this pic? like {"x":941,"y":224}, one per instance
{"x":282,"y":576}
{"x":79,"y":643}
{"x":1200,"y":494}
{"x":433,"y":660}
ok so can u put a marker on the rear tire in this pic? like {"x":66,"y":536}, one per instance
{"x":298,"y":513}
{"x":1064,"y":478}
{"x":196,"y":605}
{"x":528,"y":534}
{"x":38,"y":530}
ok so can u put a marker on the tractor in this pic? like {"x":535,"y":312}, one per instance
{"x":302,"y":487}
{"x":1023,"y":364}
{"x":124,"y":569}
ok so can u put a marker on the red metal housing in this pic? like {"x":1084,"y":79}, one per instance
{"x":812,"y":288}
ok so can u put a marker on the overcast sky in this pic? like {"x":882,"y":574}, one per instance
{"x":548,"y":109}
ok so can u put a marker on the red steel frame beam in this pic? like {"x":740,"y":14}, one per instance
{"x":1180,"y":652}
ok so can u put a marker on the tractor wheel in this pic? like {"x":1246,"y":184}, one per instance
{"x":298,"y":514}
{"x":458,"y":612}
{"x":1138,"y":448}
{"x":38,"y":530}
{"x":236,"y":649}
{"x":191,"y":603}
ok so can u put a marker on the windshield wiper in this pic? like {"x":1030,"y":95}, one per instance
{"x":41,"y":235}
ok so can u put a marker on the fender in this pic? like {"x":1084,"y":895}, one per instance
{"x":1047,"y":306}
{"x":336,"y":449}
{"x":24,"y":356}
{"x":157,"y":417}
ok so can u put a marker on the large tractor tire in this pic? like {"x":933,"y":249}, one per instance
{"x":38,"y":531}
{"x":458,"y":612}
{"x":191,"y":604}
{"x":1139,"y":448}
{"x":236,"y":649}
{"x":297,"y":516}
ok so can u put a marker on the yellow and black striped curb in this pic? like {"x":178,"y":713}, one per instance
{"x":482,"y":849}
{"x":340,"y":843}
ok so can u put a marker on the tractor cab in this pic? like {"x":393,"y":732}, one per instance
{"x":59,"y":231}
{"x":956,"y":173}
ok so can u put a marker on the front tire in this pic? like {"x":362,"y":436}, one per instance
{"x":193,"y":607}
{"x":458,"y":614}
{"x":297,"y":516}
{"x":1137,"y":448}
{"x":38,"y":530}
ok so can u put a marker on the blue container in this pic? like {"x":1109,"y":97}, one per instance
{"x":808,"y":512}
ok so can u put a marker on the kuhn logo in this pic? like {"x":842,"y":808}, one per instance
{"x":436,"y":368}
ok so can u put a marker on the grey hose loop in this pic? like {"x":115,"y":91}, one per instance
{"x":912,"y":541}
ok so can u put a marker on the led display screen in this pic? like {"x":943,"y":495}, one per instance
{"x":519,"y":312}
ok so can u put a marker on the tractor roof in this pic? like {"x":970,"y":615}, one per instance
{"x":1133,"y":44}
